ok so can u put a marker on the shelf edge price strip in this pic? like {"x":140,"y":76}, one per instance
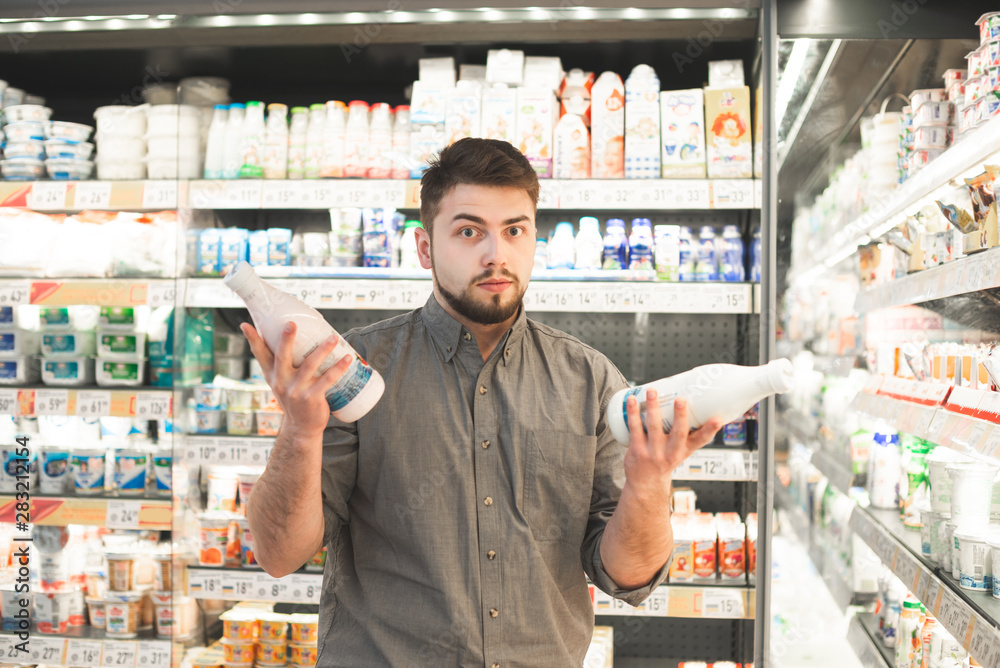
{"x":118,"y":654}
{"x":153,"y":654}
{"x":51,"y":402}
{"x":122,"y":514}
{"x":83,"y":653}
{"x":48,"y":650}
{"x":722,"y":603}
{"x":152,"y":405}
{"x":93,"y":403}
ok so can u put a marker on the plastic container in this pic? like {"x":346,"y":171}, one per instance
{"x":273,"y":626}
{"x":58,"y":149}
{"x":123,"y":613}
{"x":933,"y":113}
{"x":971,"y":491}
{"x":247,"y":480}
{"x":976,"y":573}
{"x":241,"y":624}
{"x":222,"y":489}
{"x":239,"y":398}
{"x":131,"y":471}
{"x":68,"y":372}
{"x":25,"y":131}
{"x":930,"y":137}
{"x":213,"y":532}
{"x":318,"y":561}
{"x":124,"y":148}
{"x":10,"y":607}
{"x":949,"y":563}
{"x":26,"y":112}
{"x":22,"y":169}
{"x":121,"y":571}
{"x":239,"y":422}
{"x":172,"y":120}
{"x":268,"y":422}
{"x":247,"y":559}
{"x":271,"y":652}
{"x":128,"y":374}
{"x":918,"y":97}
{"x":111,"y":169}
{"x":305,"y":628}
{"x":52,"y":610}
{"x":209,"y":420}
{"x":235,"y":651}
{"x":163,"y":473}
{"x":69,"y":132}
{"x":121,"y":346}
{"x":186,"y":167}
{"x":18,"y":370}
{"x":88,"y":465}
{"x":208,"y":396}
{"x":927,"y":517}
{"x":163,"y":570}
{"x":95,"y":612}
{"x":264,"y":399}
{"x":32,"y":150}
{"x":301,"y":654}
{"x":61,"y":169}
{"x":163,"y":613}
{"x":68,"y":344}
{"x":53,"y":470}
{"x":940,"y":482}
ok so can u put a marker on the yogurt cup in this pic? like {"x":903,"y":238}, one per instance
{"x":131,"y":468}
{"x":19,"y":370}
{"x":96,"y":583}
{"x":95,"y":612}
{"x":239,"y":422}
{"x":163,"y":571}
{"x":123,"y":613}
{"x":271,"y":652}
{"x":268,"y":422}
{"x":208,"y":396}
{"x":14,"y":466}
{"x":213,"y":532}
{"x":952,"y":549}
{"x":926,"y":526}
{"x":937,"y":536}
{"x":238,"y":652}
{"x":273,"y":626}
{"x":230,"y":345}
{"x":976,"y":558}
{"x":53,"y":570}
{"x":230,"y":367}
{"x":88,"y":470}
{"x":247,"y":559}
{"x":163,"y":613}
{"x":302,"y":654}
{"x":122,"y":346}
{"x":305,"y":628}
{"x":248,"y":478}
{"x":209,"y":420}
{"x":163,"y":473}
{"x":10,"y":608}
{"x":940,"y":482}
{"x":77,"y":612}
{"x":971,"y":492}
{"x":115,"y":373}
{"x":53,"y":470}
{"x":222,"y":488}
{"x":69,"y":372}
{"x":240,"y":624}
{"x":239,"y":399}
{"x":121,"y":318}
{"x":121,"y":571}
{"x":18,"y":343}
{"x":318,"y":561}
{"x":52,"y":612}
{"x":264,"y":399}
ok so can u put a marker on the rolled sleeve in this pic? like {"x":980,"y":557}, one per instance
{"x":340,"y":472}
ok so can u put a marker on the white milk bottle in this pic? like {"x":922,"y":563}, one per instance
{"x":253,"y":142}
{"x":314,"y":140}
{"x":589,"y":244}
{"x":724,"y":391}
{"x":562,"y":247}
{"x":333,"y":140}
{"x":297,"y":143}
{"x":380,"y":142}
{"x":401,"y":143}
{"x":232,"y":153}
{"x":357,"y":391}
{"x":356,"y":139}
{"x":275,"y":160}
{"x":215,"y":149}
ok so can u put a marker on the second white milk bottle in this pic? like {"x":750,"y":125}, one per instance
{"x":275,"y":161}
{"x":253,"y":142}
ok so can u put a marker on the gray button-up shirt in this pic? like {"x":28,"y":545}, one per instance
{"x":463,"y":511}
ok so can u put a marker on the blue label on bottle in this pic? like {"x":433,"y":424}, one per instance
{"x":8,"y":369}
{"x":6,"y":315}
{"x":349,"y":385}
{"x":7,"y":342}
{"x":62,"y":370}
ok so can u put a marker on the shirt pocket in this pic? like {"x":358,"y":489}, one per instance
{"x":558,"y":484}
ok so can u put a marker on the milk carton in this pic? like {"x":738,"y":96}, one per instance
{"x":536,"y":119}
{"x":499,"y":113}
{"x":505,"y":66}
{"x":607,"y":127}
{"x":642,"y":124}
{"x":727,"y":125}
{"x":464,"y":112}
{"x":758,"y":137}
{"x":543,"y":72}
{"x":682,"y":131}
{"x":426,"y":141}
{"x":572,"y":149}
{"x":429,"y":102}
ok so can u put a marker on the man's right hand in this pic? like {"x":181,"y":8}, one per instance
{"x":298,"y":390}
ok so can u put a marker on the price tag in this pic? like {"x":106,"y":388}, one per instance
{"x":991,"y":442}
{"x":159,"y":195}
{"x":83,"y":652}
{"x":47,"y":195}
{"x":119,"y":654}
{"x":722,"y":603}
{"x":732,"y":194}
{"x":281,"y":194}
{"x":606,"y":605}
{"x":10,"y":653}
{"x":271,"y":589}
{"x":351,"y":193}
{"x":8,"y":402}
{"x":926,"y":415}
{"x":306,"y":588}
{"x":237,"y":586}
{"x":47,"y":650}
{"x":982,"y":641}
{"x":123,"y":514}
{"x":905,"y":570}
{"x":152,"y":654}
{"x":93,"y":403}
{"x":238,"y":194}
{"x":152,"y":405}
{"x":548,"y":193}
{"x":92,"y":195}
{"x":386,"y":193}
{"x":51,"y":402}
{"x":658,"y":603}
{"x":657,"y":193}
{"x":161,"y":293}
{"x":15,"y":293}
{"x":736,"y":300}
{"x":318,"y":194}
{"x":936,"y":426}
{"x":615,"y":194}
{"x":692,"y":194}
{"x":921,"y":590}
{"x":204,"y":583}
{"x":577,"y":195}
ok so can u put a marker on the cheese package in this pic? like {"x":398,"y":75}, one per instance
{"x":727,"y":122}
{"x":682,"y":132}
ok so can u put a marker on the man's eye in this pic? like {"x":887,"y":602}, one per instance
{"x":516,"y":231}
{"x":468,"y":233}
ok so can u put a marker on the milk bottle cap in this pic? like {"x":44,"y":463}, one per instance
{"x":731,"y":231}
{"x":642,"y":222}
{"x":707,"y":231}
{"x":616,"y":222}
{"x":564,"y":228}
{"x":590,"y":223}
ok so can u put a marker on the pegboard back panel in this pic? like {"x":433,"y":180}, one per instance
{"x":686,"y":639}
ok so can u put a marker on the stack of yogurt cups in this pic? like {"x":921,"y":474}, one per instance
{"x":24,"y":147}
{"x":173,"y":140}
{"x":121,"y":142}
{"x":231,"y":353}
{"x":68,"y":345}
{"x":18,"y":347}
{"x":345,"y":237}
{"x":121,"y":345}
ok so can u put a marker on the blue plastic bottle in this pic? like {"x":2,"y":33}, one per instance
{"x":755,"y":264}
{"x":615,"y":245}
{"x":686,"y":255}
{"x":707,"y":263}
{"x":731,"y":268}
{"x":641,"y":245}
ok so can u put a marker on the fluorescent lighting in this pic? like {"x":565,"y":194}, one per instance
{"x":223,"y":20}
{"x":266,"y":20}
{"x":309,"y":19}
{"x":789,"y":77}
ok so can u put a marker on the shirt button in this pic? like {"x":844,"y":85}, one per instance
{"x":488,"y":500}
{"x":449,"y":349}
{"x":496,"y":665}
{"x":482,"y":389}
{"x":491,"y":554}
{"x":468,"y":336}
{"x":494,"y":612}
{"x":507,"y":352}
{"x":486,"y":444}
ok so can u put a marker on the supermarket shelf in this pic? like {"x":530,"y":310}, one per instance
{"x":589,"y":194}
{"x":719,"y":464}
{"x":148,"y":403}
{"x":87,"y":291}
{"x":972,"y":619}
{"x":563,"y":296}
{"x":103,"y":195}
{"x":972,"y":273}
{"x":110,"y":512}
{"x":863,"y":637}
{"x":696,"y":602}
{"x":226,"y":450}
{"x":970,"y":153}
{"x":252,"y":585}
{"x":839,"y":475}
{"x":86,"y":646}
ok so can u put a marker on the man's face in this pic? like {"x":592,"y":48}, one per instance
{"x":482,"y":251}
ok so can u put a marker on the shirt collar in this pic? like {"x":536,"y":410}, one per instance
{"x":448,"y":332}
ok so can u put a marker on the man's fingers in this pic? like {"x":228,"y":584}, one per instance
{"x":704,"y":434}
{"x":680,"y":417}
{"x":283,"y":355}
{"x":333,"y":374}
{"x":258,"y":347}
{"x":312,"y":361}
{"x":635,"y":428}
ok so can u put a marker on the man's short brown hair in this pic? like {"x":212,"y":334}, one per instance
{"x":478,"y":162}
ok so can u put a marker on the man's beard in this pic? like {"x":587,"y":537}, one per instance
{"x":491,"y":313}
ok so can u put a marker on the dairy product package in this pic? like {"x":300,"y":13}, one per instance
{"x":725,"y":73}
{"x":439,"y":70}
{"x":758,"y":137}
{"x":536,"y":119}
{"x":499,"y":113}
{"x":607,"y":127}
{"x":472,"y":73}
{"x":543,"y":72}
{"x":727,"y":124}
{"x":682,"y":131}
{"x":505,"y":66}
{"x":464,"y":115}
{"x":574,"y":94}
{"x":429,"y":102}
{"x":426,"y":141}
{"x":571,"y":158}
{"x":642,"y":124}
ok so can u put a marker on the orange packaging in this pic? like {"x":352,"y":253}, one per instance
{"x":682,"y":566}
{"x":752,"y":543}
{"x":705,"y":557}
{"x":732,"y":563}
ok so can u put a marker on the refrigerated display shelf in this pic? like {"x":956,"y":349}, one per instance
{"x":719,"y":464}
{"x":225,"y":450}
{"x":80,"y":195}
{"x":835,"y":471}
{"x":863,"y":636}
{"x":110,"y":512}
{"x":207,"y":582}
{"x":87,"y":647}
{"x":980,"y":271}
{"x":973,"y":618}
{"x":88,"y":291}
{"x":144,"y":403}
{"x":697,"y":601}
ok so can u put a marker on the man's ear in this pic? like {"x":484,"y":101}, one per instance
{"x":423,"y":247}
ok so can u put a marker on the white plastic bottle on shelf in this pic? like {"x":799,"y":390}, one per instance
{"x":589,"y":244}
{"x":562,"y":247}
{"x":356,"y":139}
{"x":667,"y":252}
{"x":216,"y":146}
{"x":541,"y":255}
{"x":724,"y":391}
{"x":232,"y":152}
{"x":275,"y":160}
{"x":314,"y":140}
{"x":333,"y":140}
{"x":401,"y":143}
{"x":297,"y":143}
{"x":253,"y":142}
{"x":357,"y":391}
{"x":707,"y":261}
{"x":379,"y":159}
